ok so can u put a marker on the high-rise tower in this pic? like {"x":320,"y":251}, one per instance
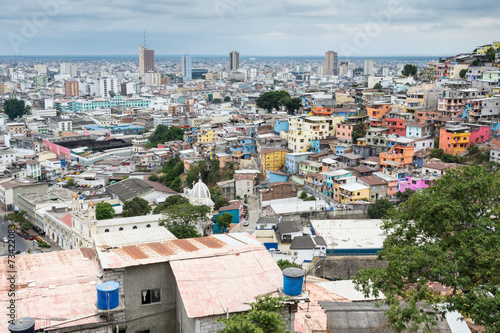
{"x":234,"y":60}
{"x":331,"y":63}
{"x":186,"y":68}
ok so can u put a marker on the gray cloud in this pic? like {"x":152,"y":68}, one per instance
{"x":286,"y":27}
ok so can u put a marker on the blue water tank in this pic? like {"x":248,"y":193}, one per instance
{"x":293,"y":278}
{"x":108,"y":296}
{"x":23,"y":325}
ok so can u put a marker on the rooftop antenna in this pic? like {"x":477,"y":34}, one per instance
{"x":144,"y":39}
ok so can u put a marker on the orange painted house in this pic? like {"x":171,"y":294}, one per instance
{"x":378,"y":110}
{"x":323,"y":111}
{"x":398,"y":156}
{"x":454,"y":139}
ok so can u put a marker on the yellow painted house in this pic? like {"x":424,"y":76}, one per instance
{"x":303,"y":130}
{"x":273,"y":159}
{"x":353,"y":192}
{"x":208,"y":136}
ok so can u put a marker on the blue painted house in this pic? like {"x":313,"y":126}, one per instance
{"x":346,"y":113}
{"x":315,"y":146}
{"x":280,"y":125}
{"x":292,"y":161}
{"x":235,"y":208}
{"x":276,"y":176}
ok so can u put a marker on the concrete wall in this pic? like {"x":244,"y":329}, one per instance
{"x":341,"y":268}
{"x":158,"y":318}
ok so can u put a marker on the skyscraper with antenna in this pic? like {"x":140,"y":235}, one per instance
{"x":146,"y":59}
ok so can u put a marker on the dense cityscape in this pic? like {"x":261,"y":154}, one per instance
{"x":242,"y":193}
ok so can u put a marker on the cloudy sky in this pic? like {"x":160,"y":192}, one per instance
{"x":257,"y":27}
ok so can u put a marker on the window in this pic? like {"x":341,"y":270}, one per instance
{"x":121,"y":229}
{"x":150,"y":296}
{"x":134,"y":227}
{"x":107,"y":230}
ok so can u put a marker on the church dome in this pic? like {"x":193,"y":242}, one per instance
{"x":200,"y":191}
{"x":75,"y":195}
{"x":91,"y":203}
{"x":208,"y":202}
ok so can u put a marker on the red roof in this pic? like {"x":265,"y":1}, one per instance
{"x":68,"y":220}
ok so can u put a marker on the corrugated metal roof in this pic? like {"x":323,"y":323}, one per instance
{"x":211,"y":285}
{"x":132,"y":237}
{"x":156,"y":252}
{"x":62,"y":286}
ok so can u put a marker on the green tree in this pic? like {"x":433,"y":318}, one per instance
{"x":462,"y":73}
{"x":448,"y":233}
{"x":164,"y":134}
{"x":409,"y":70}
{"x":227,"y":99}
{"x":153,"y":178}
{"x":216,"y":101}
{"x":181,"y":231}
{"x":490,"y":54}
{"x":104,"y":211}
{"x":380,"y":208}
{"x":136,"y":207}
{"x":272,"y":100}
{"x":403,"y":196}
{"x":283,"y":263}
{"x":170,"y":201}
{"x":358,"y":131}
{"x":218,"y":198}
{"x":70,"y":183}
{"x":180,"y":219}
{"x":292,"y":105}
{"x":14,"y":108}
{"x":303,"y":195}
{"x":377,"y":86}
{"x":186,"y":213}
{"x":224,"y":221}
{"x":263,"y":317}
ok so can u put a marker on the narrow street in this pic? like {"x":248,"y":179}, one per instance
{"x":21,"y":244}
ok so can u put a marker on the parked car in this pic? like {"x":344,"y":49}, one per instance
{"x":5,"y":240}
{"x":245,"y":224}
{"x":31,"y":238}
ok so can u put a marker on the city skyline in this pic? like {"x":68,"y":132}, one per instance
{"x":396,"y":28}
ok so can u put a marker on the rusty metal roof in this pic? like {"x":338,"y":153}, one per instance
{"x":156,"y":252}
{"x":211,"y":285}
{"x":53,"y":285}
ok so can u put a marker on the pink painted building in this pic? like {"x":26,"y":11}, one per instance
{"x":412,"y":183}
{"x":479,"y":133}
{"x":344,"y":132}
{"x":57,"y":149}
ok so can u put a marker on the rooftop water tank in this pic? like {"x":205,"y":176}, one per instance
{"x":108,"y":295}
{"x":293,"y":278}
{"x":23,"y":325}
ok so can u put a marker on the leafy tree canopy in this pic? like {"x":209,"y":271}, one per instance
{"x":224,"y":220}
{"x":186,"y":213}
{"x":462,"y":73}
{"x":292,"y":105}
{"x":164,"y":134}
{"x":273,"y":100}
{"x":448,"y":233}
{"x":170,"y":201}
{"x":380,"y":208}
{"x":409,"y":70}
{"x":283,"y":263}
{"x":263,"y":317}
{"x":136,"y":207}
{"x":14,"y":108}
{"x":180,"y":230}
{"x":104,"y":211}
